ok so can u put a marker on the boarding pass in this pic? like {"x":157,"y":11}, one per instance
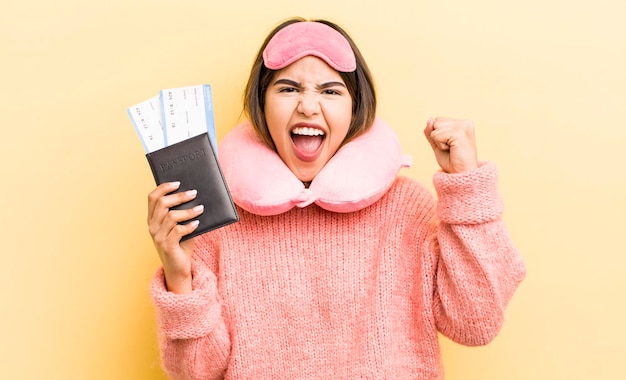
{"x":176,"y":114}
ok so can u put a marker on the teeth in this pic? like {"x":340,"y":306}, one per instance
{"x":305,"y":131}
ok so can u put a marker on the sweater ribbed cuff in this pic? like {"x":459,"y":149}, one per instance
{"x":186,"y":316}
{"x":469,"y":197}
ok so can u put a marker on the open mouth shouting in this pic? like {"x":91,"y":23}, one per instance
{"x":307,"y":141}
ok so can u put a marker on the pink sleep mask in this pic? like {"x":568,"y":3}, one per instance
{"x":358,"y":175}
{"x":304,"y":38}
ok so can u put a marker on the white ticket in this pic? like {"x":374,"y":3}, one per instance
{"x":187,"y":112}
{"x":146,"y":117}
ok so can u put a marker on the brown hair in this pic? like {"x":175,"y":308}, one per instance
{"x":359,"y":83}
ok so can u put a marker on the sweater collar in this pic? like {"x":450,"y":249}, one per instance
{"x":358,"y":175}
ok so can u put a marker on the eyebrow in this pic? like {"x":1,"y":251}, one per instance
{"x":293,"y":83}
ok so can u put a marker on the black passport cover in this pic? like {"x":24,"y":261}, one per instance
{"x":194,"y":163}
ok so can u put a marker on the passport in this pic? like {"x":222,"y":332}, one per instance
{"x":193,"y":162}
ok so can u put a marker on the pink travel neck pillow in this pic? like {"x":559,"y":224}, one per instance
{"x":355,"y":177}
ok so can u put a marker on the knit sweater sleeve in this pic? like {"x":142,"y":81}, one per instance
{"x":193,"y":338}
{"x":478,"y":268}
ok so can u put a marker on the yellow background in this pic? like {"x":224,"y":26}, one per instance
{"x":544,"y":81}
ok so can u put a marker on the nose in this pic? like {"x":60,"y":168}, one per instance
{"x":308,"y":104}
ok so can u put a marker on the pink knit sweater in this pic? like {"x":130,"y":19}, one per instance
{"x":313,"y":294}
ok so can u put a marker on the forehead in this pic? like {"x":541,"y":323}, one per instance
{"x":310,"y":68}
{"x":309,"y":65}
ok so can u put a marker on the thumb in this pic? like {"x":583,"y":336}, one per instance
{"x":429,"y":129}
{"x":428,"y":132}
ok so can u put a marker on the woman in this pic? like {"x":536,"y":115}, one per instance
{"x":338,"y":267}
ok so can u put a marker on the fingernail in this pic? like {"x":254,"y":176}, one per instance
{"x":194,"y":223}
{"x":191,"y":193}
{"x":175,"y":184}
{"x":198,"y":208}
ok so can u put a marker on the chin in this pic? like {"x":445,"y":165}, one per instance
{"x":306,"y":177}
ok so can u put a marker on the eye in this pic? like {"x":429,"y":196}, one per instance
{"x":287,"y":89}
{"x":330,"y":91}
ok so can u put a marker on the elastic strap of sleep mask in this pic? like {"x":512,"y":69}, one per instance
{"x":305,"y":38}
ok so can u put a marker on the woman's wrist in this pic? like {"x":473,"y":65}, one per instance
{"x":177,"y":283}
